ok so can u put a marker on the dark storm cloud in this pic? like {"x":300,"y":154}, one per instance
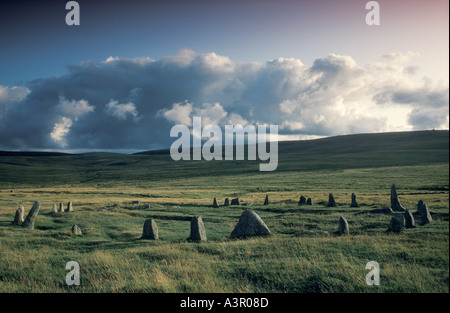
{"x":133,"y":103}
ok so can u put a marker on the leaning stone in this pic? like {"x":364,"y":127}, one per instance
{"x":308,"y":201}
{"x":302,"y":200}
{"x":395,"y":203}
{"x":235,"y":201}
{"x":381,"y":211}
{"x":343,"y":226}
{"x":226,"y":202}
{"x":249,"y":225}
{"x":18,"y":217}
{"x":198,"y":232}
{"x":31,"y":217}
{"x":150,"y":230}
{"x":215,"y":205}
{"x":76,"y":230}
{"x":61,"y":207}
{"x":331,"y":202}
{"x":409,"y":219}
{"x":69,"y":206}
{"x":266,"y":201}
{"x":54,"y":208}
{"x":425,"y":214}
{"x":354,"y":203}
{"x":397,"y":223}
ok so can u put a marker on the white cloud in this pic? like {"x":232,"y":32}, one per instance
{"x":179,"y":113}
{"x":10,"y":95}
{"x":400,"y":57}
{"x":74,"y":108}
{"x":121,"y":111}
{"x":211,"y":114}
{"x":60,"y":131}
{"x":335,"y":95}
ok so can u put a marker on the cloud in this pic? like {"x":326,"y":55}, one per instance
{"x":60,"y":131}
{"x":121,"y":111}
{"x":124,"y":103}
{"x":74,"y":108}
{"x":178,"y":114}
{"x":10,"y":95}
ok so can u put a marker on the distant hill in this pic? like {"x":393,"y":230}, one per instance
{"x":31,"y":153}
{"x":431,"y":139}
{"x":327,"y":154}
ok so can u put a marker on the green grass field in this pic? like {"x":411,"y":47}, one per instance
{"x":113,"y":258}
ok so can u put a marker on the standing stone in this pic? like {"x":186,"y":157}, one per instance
{"x":266,"y":201}
{"x":302,"y":200}
{"x":215,"y":205}
{"x":226,"y":202}
{"x":308,"y":201}
{"x":150,"y":230}
{"x":249,"y":225}
{"x":424,"y":214}
{"x":76,"y":230}
{"x":397,"y":223}
{"x":235,"y":201}
{"x":61,"y":207}
{"x":54,"y":208}
{"x":409,"y":219}
{"x":343,"y":226}
{"x":354,"y":203}
{"x":331,"y":202}
{"x":31,"y":217}
{"x":198,"y":232}
{"x":18,"y":217}
{"x":69,"y":206}
{"x":419,"y":204}
{"x":395,"y":204}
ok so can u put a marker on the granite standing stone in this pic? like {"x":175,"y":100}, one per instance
{"x":395,"y":203}
{"x":425,"y":214}
{"x":215,"y":205}
{"x":331,"y":201}
{"x":419,"y":204}
{"x":226,"y":202}
{"x":354,"y":203}
{"x":249,"y":225}
{"x":343,"y":226}
{"x":409,"y":219}
{"x":32,"y":215}
{"x":235,"y":201}
{"x":308,"y":201}
{"x":198,"y":232}
{"x":302,"y":200}
{"x":266,"y":201}
{"x":18,"y":217}
{"x":397,"y":223}
{"x":76,"y":230}
{"x":150,"y":230}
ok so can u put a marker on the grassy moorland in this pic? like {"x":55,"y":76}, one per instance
{"x":112,"y":258}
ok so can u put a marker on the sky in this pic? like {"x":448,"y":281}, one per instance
{"x":132,"y":69}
